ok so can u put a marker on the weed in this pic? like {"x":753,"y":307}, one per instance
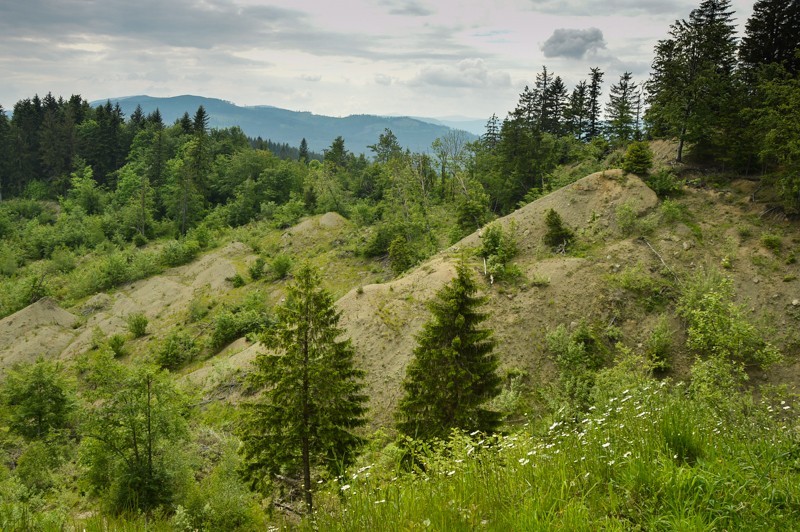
{"x":137,"y":324}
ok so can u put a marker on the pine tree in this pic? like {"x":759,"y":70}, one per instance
{"x":311,"y":392}
{"x":594,"y":126}
{"x":691,"y":84}
{"x":302,"y":153}
{"x":621,"y":110}
{"x":772,"y":35}
{"x":492,"y":135}
{"x":576,"y":111}
{"x":454,"y":369}
{"x":555,"y":98}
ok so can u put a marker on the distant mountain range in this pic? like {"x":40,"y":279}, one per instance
{"x":284,"y":126}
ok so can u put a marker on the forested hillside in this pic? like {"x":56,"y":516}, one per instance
{"x":586,"y":318}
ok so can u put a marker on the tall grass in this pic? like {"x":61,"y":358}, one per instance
{"x":651,"y":457}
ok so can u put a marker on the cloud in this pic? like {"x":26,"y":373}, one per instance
{"x":408,"y":9}
{"x":573,"y":43}
{"x":593,"y":8}
{"x":383,"y":79}
{"x":311,"y":77}
{"x":471,"y":72}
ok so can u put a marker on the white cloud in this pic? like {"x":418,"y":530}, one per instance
{"x":471,"y":72}
{"x":573,"y":43}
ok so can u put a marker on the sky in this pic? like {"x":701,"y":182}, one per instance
{"x":441,"y":58}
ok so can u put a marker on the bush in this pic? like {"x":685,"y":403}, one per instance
{"x":177,"y":349}
{"x":498,"y":247}
{"x":116,"y":343}
{"x":401,"y":255}
{"x":256,"y":270}
{"x":772,"y":242}
{"x":558,"y":236}
{"x":236,"y":280}
{"x":179,"y":252}
{"x":281,"y":265}
{"x":638,"y":159}
{"x":659,"y":344}
{"x":626,"y":219}
{"x":719,"y":328}
{"x":664,"y":183}
{"x":137,"y":324}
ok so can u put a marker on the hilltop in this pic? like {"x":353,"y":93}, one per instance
{"x":285,"y":126}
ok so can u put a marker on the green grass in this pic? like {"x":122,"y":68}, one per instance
{"x":650,"y":457}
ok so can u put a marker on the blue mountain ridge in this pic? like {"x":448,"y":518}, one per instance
{"x":284,"y":126}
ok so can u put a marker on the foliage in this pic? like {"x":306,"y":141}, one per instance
{"x":116,"y":343}
{"x":178,"y":252}
{"x":281,"y":265}
{"x":401,"y":255}
{"x":133,"y":426}
{"x":256,"y":270}
{"x":251,"y":316}
{"x":558,"y":235}
{"x":137,"y":324}
{"x":663,"y":183}
{"x":718,"y":327}
{"x":498,"y":247}
{"x":177,"y":349}
{"x":577,"y":355}
{"x":772,"y":242}
{"x":638,"y":159}
{"x":659,"y":344}
{"x":310,"y":397}
{"x":454,"y":370}
{"x":37,"y":399}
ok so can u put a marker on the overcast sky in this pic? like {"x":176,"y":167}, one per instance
{"x":405,"y":57}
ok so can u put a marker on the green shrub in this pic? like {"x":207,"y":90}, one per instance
{"x":659,"y":344}
{"x":281,"y":265}
{"x":116,"y":343}
{"x":178,"y":252}
{"x":772,"y":242}
{"x":578,"y":356}
{"x":177,"y":349}
{"x":719,"y":328}
{"x":236,"y":280}
{"x":256,"y":270}
{"x":137,"y":324}
{"x":664,"y":183}
{"x":558,"y":236}
{"x":498,"y":248}
{"x":651,"y":291}
{"x":626,"y":219}
{"x":638,"y":158}
{"x":401,"y":255}
{"x":672,"y":211}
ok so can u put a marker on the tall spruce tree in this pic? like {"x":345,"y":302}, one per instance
{"x":311,"y":392}
{"x":772,"y":35}
{"x":576,"y":112}
{"x":621,"y":110}
{"x":691,"y":85}
{"x":593,"y":107}
{"x":454,"y":370}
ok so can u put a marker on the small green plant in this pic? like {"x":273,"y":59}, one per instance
{"x":177,"y":349}
{"x":558,"y":236}
{"x":664,"y":183}
{"x":672,"y":211}
{"x":116,"y":343}
{"x":772,"y":242}
{"x":659,"y":344}
{"x":638,"y":158}
{"x":137,"y":324}
{"x":540,"y":281}
{"x":401,"y":255}
{"x":236,"y":280}
{"x":256,"y":270}
{"x":281,"y":265}
{"x":498,"y":248}
{"x":179,"y":252}
{"x":626,"y":218}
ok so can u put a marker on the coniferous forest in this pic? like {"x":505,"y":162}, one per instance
{"x":661,"y":413}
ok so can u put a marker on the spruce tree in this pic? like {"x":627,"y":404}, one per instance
{"x":593,"y":103}
{"x":772,"y":35}
{"x":302,"y":152}
{"x":311,"y":392}
{"x":621,"y":110}
{"x":454,"y":369}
